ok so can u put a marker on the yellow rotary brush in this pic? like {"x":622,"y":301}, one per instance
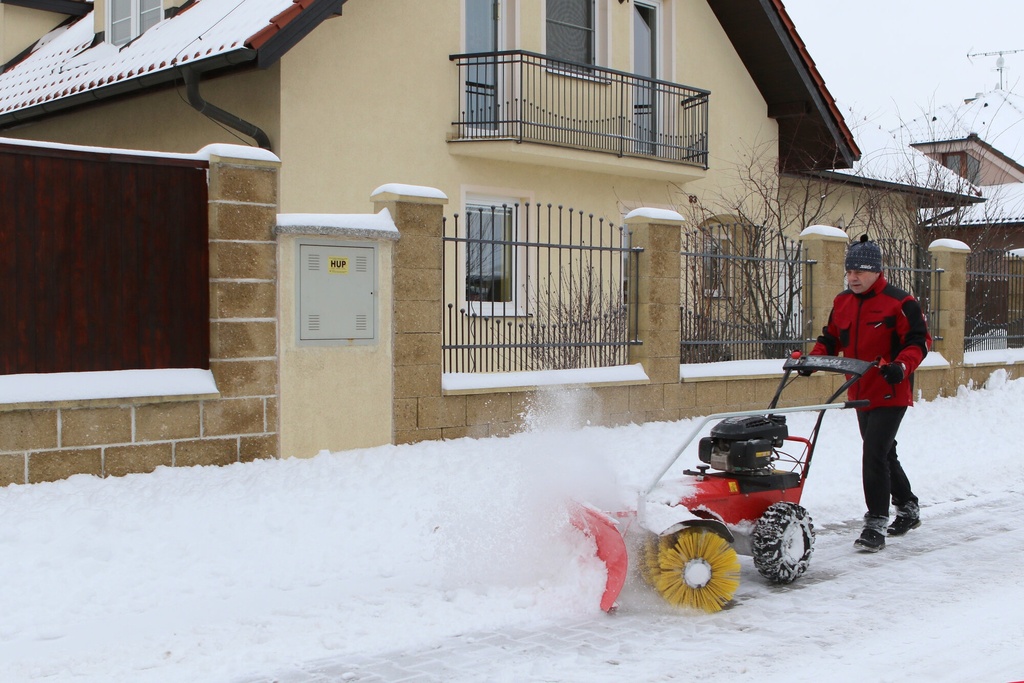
{"x":695,"y":568}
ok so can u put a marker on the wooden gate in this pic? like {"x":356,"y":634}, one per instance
{"x":103,"y":261}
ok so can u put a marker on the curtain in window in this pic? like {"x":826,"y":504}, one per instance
{"x":570,"y":31}
{"x":150,"y":12}
{"x":120,"y":21}
{"x":489,"y":254}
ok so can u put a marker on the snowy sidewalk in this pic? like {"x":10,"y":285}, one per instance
{"x":848,"y":605}
{"x":467,"y":658}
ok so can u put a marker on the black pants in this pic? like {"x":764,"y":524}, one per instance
{"x":884,"y":478}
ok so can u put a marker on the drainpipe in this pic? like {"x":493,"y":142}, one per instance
{"x":219,"y":115}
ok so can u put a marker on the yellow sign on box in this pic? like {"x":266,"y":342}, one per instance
{"x":337,"y":264}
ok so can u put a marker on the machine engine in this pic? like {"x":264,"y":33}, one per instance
{"x":744,"y":444}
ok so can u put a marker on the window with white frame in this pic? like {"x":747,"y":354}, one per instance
{"x":572,"y":31}
{"x":492,"y":261}
{"x":129,"y":19}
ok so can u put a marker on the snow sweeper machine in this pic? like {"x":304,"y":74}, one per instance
{"x":743,"y":498}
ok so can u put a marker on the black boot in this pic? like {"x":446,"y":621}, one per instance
{"x":908,"y":516}
{"x":872,"y":539}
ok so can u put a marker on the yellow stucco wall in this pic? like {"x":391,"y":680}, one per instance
{"x":390,"y":114}
{"x":333,"y":396}
{"x":20,"y":27}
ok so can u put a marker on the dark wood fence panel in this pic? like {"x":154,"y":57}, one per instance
{"x":103,"y":262}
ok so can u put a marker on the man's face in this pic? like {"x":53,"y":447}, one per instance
{"x":860,"y":281}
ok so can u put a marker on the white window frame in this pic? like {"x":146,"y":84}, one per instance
{"x":495,"y":309}
{"x":140,"y":16}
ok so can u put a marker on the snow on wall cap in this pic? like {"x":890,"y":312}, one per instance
{"x":824,"y":230}
{"x":950,"y":245}
{"x":392,"y":190}
{"x":236,"y":152}
{"x":339,"y":224}
{"x":1017,"y":252}
{"x":655,"y":214}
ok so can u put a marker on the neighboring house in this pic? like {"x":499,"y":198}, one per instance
{"x":982,"y":141}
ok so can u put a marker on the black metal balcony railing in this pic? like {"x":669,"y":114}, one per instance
{"x":527,"y":97}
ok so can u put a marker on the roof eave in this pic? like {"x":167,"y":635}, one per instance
{"x":812,"y":131}
{"x":272,"y":43}
{"x":125,"y":87}
{"x":926,"y":198}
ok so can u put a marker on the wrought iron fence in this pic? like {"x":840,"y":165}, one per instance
{"x":994,"y":316}
{"x":527,"y":97}
{"x":536,"y":287}
{"x":742,"y":293}
{"x":908,"y":265}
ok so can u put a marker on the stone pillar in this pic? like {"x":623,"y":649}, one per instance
{"x":657,"y":296}
{"x":243,"y":424}
{"x":419,"y":409}
{"x":949,"y":295}
{"x":826,"y":246}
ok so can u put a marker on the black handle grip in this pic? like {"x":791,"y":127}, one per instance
{"x":862,"y":403}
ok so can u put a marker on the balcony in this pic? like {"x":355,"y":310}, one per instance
{"x":654,"y":129}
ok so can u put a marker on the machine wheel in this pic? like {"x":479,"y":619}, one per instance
{"x":783,"y":542}
{"x":692,"y":568}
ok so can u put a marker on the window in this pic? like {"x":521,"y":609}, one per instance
{"x":570,"y":30}
{"x":129,"y":19}
{"x":716,"y":248}
{"x":491,"y":259}
{"x":967,"y":166}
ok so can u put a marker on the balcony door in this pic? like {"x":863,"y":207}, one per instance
{"x":645,"y":65}
{"x":483,"y":35}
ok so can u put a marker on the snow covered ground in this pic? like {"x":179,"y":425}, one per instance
{"x":250,"y":572}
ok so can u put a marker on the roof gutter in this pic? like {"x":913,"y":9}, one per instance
{"x":219,"y":115}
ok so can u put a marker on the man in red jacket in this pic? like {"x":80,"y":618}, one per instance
{"x":873,"y":320}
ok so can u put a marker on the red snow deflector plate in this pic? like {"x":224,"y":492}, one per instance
{"x":611,"y":549}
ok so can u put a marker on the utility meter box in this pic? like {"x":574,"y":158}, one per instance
{"x":337,"y":293}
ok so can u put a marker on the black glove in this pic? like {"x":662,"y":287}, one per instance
{"x":893,"y":373}
{"x":805,"y":372}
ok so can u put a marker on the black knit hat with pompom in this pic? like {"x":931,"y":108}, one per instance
{"x":864,"y":255}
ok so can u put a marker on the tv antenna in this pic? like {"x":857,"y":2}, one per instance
{"x":1000,"y":61}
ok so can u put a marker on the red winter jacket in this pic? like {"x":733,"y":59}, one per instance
{"x":884,"y":322}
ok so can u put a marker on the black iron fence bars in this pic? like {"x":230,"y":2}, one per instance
{"x":745,"y":291}
{"x":536,"y":287}
{"x":994,"y":317}
{"x":527,"y":97}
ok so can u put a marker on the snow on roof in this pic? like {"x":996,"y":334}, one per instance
{"x":887,"y":156}
{"x":996,"y":117}
{"x":1004,"y":204}
{"x":65,"y":62}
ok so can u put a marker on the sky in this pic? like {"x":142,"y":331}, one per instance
{"x":896,"y":59}
{"x":454,"y":561}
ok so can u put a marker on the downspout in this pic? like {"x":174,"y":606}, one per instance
{"x":219,"y":115}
